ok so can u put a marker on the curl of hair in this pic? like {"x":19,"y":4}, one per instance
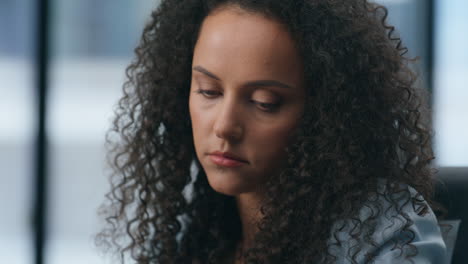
{"x":364,"y":120}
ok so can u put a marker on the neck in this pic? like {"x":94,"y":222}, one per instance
{"x":248,"y":205}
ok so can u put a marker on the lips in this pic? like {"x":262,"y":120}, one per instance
{"x":228,"y":155}
{"x":227,"y":159}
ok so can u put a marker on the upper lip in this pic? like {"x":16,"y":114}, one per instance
{"x":228,"y":155}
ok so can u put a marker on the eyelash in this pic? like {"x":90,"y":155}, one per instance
{"x":266,"y":107}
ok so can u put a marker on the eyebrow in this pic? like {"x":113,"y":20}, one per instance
{"x":251,"y":83}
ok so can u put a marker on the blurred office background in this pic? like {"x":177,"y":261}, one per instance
{"x":90,"y":43}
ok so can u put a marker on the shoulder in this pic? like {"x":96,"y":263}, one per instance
{"x":391,"y":229}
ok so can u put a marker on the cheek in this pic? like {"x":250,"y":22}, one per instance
{"x":273,"y":142}
{"x":194,"y":118}
{"x":199,"y":120}
{"x":195,"y":112}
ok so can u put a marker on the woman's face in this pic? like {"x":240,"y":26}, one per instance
{"x":246,"y":98}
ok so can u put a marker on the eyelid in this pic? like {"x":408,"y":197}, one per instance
{"x":271,"y":107}
{"x":265,"y":106}
{"x":203,"y":92}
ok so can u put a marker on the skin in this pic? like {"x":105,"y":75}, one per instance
{"x":234,"y":50}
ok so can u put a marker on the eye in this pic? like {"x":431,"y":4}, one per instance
{"x":208,"y":93}
{"x":267,"y":107}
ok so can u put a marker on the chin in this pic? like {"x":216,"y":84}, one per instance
{"x":227,"y":187}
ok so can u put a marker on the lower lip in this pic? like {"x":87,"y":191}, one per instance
{"x":222,"y":161}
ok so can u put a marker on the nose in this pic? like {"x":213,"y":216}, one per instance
{"x":228,"y":124}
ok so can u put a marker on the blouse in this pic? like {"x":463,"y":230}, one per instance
{"x":389,"y":233}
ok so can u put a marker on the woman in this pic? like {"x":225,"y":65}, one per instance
{"x":271,"y":132}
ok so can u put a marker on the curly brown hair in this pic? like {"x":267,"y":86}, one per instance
{"x":364,"y":119}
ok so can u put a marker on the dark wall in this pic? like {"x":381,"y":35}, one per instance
{"x":452,"y":192}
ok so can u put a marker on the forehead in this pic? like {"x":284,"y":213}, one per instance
{"x":233,"y":41}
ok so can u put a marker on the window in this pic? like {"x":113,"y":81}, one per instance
{"x":92,"y":43}
{"x":450,"y":83}
{"x":16,"y":130}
